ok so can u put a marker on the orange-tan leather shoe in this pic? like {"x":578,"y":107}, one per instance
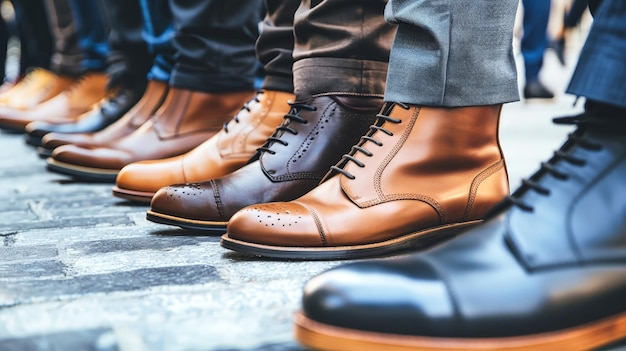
{"x":37,"y":86}
{"x":64,"y":107}
{"x":185,"y":120}
{"x":145,"y":108}
{"x":223,"y":153}
{"x":419,"y":175}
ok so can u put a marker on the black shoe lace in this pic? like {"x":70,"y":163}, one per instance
{"x":285,"y":127}
{"x":246,"y":107}
{"x":575,"y":139}
{"x":378,"y":126}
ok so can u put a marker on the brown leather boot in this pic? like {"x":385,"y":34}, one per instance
{"x":313,"y":136}
{"x":225,"y":152}
{"x":37,"y":86}
{"x":185,"y":120}
{"x":144,"y":109}
{"x":419,"y":175}
{"x":64,"y":107}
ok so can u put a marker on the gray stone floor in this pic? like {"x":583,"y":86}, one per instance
{"x":82,"y":270}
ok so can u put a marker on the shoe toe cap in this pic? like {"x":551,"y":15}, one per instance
{"x":385,"y":296}
{"x":150,"y":175}
{"x":285,"y":224}
{"x":195,"y":201}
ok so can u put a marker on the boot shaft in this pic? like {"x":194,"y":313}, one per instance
{"x":449,"y":157}
{"x":186,"y":111}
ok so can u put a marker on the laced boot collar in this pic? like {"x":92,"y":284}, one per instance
{"x":588,"y":124}
{"x":293,"y":116}
{"x":369,"y":138}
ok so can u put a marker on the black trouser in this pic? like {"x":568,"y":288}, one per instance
{"x":214,"y":44}
{"x":129,"y":60}
{"x":34,"y":34}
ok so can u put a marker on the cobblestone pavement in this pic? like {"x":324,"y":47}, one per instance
{"x":82,"y":270}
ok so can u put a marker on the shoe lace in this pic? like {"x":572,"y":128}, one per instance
{"x":578,"y":138}
{"x":246,"y":107}
{"x":369,"y":137}
{"x":292,"y":116}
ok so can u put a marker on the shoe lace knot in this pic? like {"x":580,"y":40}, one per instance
{"x":293,"y":116}
{"x":378,"y":126}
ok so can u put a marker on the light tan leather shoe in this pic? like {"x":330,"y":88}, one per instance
{"x":185,"y":120}
{"x":223,"y":153}
{"x":67,"y":106}
{"x":419,"y":175}
{"x":37,"y":86}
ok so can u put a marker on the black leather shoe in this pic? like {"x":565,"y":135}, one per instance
{"x":536,"y":90}
{"x":108,"y":111}
{"x":547,"y":271}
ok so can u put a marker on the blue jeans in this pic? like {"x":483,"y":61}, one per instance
{"x":158,"y":32}
{"x":93,"y":31}
{"x":535,"y":38}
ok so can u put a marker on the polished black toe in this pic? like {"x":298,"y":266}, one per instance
{"x":403,"y":296}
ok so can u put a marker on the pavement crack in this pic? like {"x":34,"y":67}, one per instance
{"x":8,"y":239}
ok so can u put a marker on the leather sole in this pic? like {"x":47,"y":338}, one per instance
{"x":413,"y":241}
{"x":82,"y":173}
{"x":321,"y":336}
{"x":217,"y":228}
{"x":132,"y":195}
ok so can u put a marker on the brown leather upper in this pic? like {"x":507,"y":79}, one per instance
{"x":185,"y":120}
{"x":313,"y":137}
{"x":64,"y":107}
{"x":144,"y":109}
{"x":223,"y":153}
{"x":434,"y":166}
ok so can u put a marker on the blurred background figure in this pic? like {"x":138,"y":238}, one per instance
{"x":533,"y":47}
{"x":571,"y":19}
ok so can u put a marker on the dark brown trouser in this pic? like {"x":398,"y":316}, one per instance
{"x":340,"y":46}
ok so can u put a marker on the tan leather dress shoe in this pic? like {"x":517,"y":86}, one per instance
{"x":185,"y":120}
{"x":37,"y":86}
{"x":144,"y":109}
{"x":419,"y":175}
{"x":223,"y":153}
{"x":64,"y":107}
